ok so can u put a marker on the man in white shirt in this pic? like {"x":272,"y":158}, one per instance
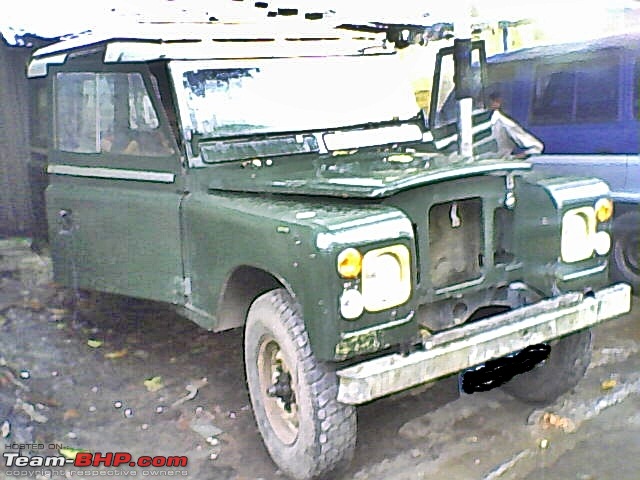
{"x":511,"y":138}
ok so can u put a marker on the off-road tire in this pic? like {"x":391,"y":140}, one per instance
{"x":559,"y":373}
{"x":325,"y":438}
{"x":626,"y":249}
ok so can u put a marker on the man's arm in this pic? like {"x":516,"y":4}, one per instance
{"x":525,"y":141}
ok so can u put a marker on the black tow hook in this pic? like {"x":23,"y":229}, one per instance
{"x":496,"y":372}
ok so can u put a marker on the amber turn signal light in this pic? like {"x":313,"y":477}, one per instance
{"x":349,"y":263}
{"x":604,"y":209}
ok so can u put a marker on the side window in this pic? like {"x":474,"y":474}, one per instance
{"x":75,"y":113}
{"x":553,"y":97}
{"x":593,"y":102}
{"x":107,"y":113}
{"x":446,"y":106}
{"x":574,"y":93}
{"x":142,"y":116}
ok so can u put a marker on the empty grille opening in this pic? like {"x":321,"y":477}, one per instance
{"x":488,"y":311}
{"x":455,"y":241}
{"x":503,"y":236}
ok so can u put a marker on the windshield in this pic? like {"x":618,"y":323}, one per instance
{"x":241,"y":97}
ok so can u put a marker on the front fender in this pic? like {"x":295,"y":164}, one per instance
{"x":295,"y":242}
{"x":538,"y":228}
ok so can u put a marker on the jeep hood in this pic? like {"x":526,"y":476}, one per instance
{"x":357,"y":177}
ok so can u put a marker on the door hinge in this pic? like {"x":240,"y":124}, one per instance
{"x":186,"y":286}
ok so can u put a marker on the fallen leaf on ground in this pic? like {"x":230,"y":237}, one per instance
{"x":39,"y":399}
{"x":7,"y":376}
{"x":94,"y":343}
{"x":71,"y":413}
{"x":70,"y":452}
{"x":58,"y":313}
{"x":609,"y":384}
{"x":153,"y":384}
{"x":192,"y":388}
{"x":31,"y":411}
{"x":552,"y":420}
{"x":35,"y":304}
{"x":116,"y":354}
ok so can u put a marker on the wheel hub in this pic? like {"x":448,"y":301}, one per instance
{"x":282,"y":388}
{"x":278,"y":387}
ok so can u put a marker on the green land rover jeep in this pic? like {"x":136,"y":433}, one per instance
{"x":286,"y":185}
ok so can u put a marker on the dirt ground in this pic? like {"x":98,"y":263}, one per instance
{"x":118,"y":375}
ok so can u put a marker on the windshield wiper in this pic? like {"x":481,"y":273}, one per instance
{"x":197,"y":137}
{"x":216,"y":150}
{"x":372,"y":125}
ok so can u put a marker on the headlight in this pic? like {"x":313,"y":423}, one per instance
{"x":578,"y":232}
{"x":386,"y":277}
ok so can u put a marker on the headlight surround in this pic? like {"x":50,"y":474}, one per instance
{"x":386,"y":277}
{"x":581,"y":235}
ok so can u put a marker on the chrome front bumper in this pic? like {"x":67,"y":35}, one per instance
{"x":470,"y":345}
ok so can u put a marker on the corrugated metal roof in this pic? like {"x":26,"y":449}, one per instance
{"x":48,"y":19}
{"x":199,"y":41}
{"x":194,"y":33}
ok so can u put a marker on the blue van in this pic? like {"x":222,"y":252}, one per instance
{"x":577,"y":97}
{"x":582,"y":101}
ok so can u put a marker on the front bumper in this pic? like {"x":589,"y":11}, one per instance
{"x":473,"y":344}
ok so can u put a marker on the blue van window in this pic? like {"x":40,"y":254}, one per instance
{"x":597,"y":94}
{"x":573,"y":92}
{"x":553,"y":101}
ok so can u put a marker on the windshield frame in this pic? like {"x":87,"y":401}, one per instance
{"x":435,"y":105}
{"x":406,"y":112}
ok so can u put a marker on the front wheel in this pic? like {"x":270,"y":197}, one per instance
{"x":559,"y":373}
{"x":626,"y":249}
{"x":307,"y":432}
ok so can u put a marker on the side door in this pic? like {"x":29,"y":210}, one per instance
{"x":115,"y":185}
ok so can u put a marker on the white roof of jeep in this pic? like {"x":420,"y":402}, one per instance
{"x":201,"y":41}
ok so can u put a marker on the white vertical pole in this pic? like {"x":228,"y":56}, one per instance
{"x":462,"y":30}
